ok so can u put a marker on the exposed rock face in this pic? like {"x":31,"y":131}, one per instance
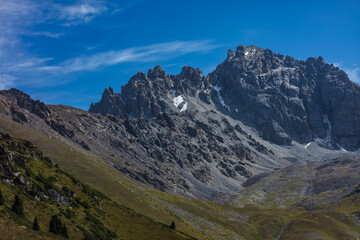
{"x":202,"y":136}
{"x":287,"y":99}
{"x":192,"y":153}
{"x":146,"y":96}
{"x":11,"y":161}
{"x":283,"y":98}
{"x":24,"y":101}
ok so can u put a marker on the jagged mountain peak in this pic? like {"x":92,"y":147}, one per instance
{"x":154,"y":93}
{"x":284,"y":99}
{"x":242,"y":50}
{"x":108,"y":92}
{"x":139,"y":76}
{"x":156,"y":72}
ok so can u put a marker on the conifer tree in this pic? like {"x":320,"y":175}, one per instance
{"x":86,"y":237}
{"x":18,"y":207}
{"x":2,"y":200}
{"x":36,"y":225}
{"x":58,"y":227}
{"x":172,"y":226}
{"x":54,"y":224}
{"x":64,"y":231}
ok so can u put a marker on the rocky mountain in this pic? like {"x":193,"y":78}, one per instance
{"x":283,"y":99}
{"x":203,"y":136}
{"x":190,"y":153}
{"x":145,"y":96}
{"x":275,"y":139}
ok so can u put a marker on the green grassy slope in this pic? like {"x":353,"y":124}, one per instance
{"x":96,"y":173}
{"x":247,"y":219}
{"x":85,"y":211}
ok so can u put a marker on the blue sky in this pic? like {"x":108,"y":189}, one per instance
{"x":67,"y":52}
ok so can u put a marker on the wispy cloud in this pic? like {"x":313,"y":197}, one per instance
{"x":353,"y":71}
{"x":155,"y":52}
{"x":27,"y":64}
{"x":27,"y":12}
{"x":6,"y":81}
{"x":15,"y":15}
{"x":45,"y":34}
{"x":354,"y":74}
{"x":81,"y":13}
{"x":19,"y":18}
{"x":42,"y":73}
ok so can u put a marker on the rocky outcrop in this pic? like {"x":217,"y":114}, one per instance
{"x":284,"y":99}
{"x":14,"y":156}
{"x":146,"y":96}
{"x":287,"y":99}
{"x":24,"y":101}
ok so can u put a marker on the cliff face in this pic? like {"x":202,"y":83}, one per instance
{"x":282,"y":98}
{"x":287,"y":99}
{"x":145,"y":96}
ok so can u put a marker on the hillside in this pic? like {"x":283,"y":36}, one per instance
{"x":271,"y":209}
{"x":47,"y":191}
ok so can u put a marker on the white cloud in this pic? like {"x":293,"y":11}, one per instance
{"x":27,"y":64}
{"x":353,"y":72}
{"x":81,"y":13}
{"x":155,"y":52}
{"x":17,"y":8}
{"x":43,"y":74}
{"x":19,"y":17}
{"x":6,"y":81}
{"x":45,"y":34}
{"x":15,"y":15}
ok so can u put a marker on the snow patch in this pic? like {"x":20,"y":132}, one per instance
{"x":178,"y":100}
{"x":184,"y":107}
{"x":328,"y":131}
{"x":327,"y":140}
{"x":221,"y":100}
{"x":250,"y":51}
{"x":307,"y":145}
{"x":288,"y":85}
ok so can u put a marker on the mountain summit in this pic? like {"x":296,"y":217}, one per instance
{"x":283,"y":99}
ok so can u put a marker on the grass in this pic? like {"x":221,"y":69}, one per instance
{"x":12,"y":231}
{"x":153,"y":210}
{"x":89,"y":211}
